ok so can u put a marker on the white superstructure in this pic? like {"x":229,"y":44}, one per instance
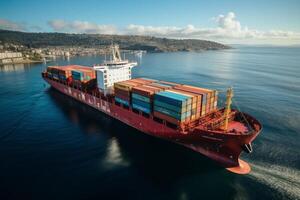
{"x":114,"y":70}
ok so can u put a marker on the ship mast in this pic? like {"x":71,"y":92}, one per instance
{"x":228,"y":107}
{"x":116,"y":53}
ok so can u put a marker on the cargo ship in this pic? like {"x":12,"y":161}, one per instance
{"x":183,"y":114}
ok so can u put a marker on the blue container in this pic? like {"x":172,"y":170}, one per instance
{"x":75,"y":72}
{"x":62,"y":77}
{"x":77,"y":75}
{"x":140,"y":97}
{"x":171,"y":98}
{"x":122,"y":101}
{"x":141,"y":103}
{"x":178,"y":109}
{"x":141,"y":108}
{"x":178,"y":116}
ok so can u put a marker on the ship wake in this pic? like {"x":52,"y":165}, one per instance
{"x":282,"y":179}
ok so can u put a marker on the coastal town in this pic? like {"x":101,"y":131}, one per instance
{"x":15,"y":54}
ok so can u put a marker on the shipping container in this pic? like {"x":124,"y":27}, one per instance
{"x":124,"y":97}
{"x":122,"y":101}
{"x":123,"y":92}
{"x":157,"y":85}
{"x":142,"y":103}
{"x":142,"y":81}
{"x":153,"y":88}
{"x":172,"y":107}
{"x":209,"y":96}
{"x":141,"y":97}
{"x":196,"y":102}
{"x":171,"y":98}
{"x":125,"y":85}
{"x":141,"y":108}
{"x":144,"y":90}
{"x":169,"y":83}
{"x":176,"y":115}
{"x":166,"y":118}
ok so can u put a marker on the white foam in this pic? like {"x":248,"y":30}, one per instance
{"x":283,"y":179}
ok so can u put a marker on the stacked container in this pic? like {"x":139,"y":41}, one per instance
{"x":172,"y":106}
{"x":142,"y":98}
{"x":196,"y":103}
{"x":171,"y":84}
{"x":209,"y":97}
{"x":83,"y":77}
{"x":64,"y":73}
{"x":59,"y":72}
{"x":123,"y":91}
{"x":83,"y":74}
{"x":160,"y":85}
{"x":80,"y":76}
{"x":175,"y":103}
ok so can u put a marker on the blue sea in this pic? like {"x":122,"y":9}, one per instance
{"x":52,"y":147}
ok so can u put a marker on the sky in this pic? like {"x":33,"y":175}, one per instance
{"x":273,"y":22}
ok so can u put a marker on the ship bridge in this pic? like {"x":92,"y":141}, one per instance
{"x":114,"y":70}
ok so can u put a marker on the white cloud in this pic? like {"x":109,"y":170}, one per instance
{"x":228,"y":22}
{"x":228,"y":29}
{"x":10,"y":25}
{"x":81,"y":27}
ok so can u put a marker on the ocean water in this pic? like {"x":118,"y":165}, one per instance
{"x":52,"y":147}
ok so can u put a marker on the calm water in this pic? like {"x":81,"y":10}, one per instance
{"x":52,"y":147}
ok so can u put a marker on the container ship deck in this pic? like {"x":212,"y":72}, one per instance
{"x":203,"y":135}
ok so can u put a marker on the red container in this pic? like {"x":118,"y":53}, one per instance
{"x":159,"y":86}
{"x":127,"y":98}
{"x":141,"y":81}
{"x":156,"y":89}
{"x":122,"y":92}
{"x":144,"y":91}
{"x":131,"y":82}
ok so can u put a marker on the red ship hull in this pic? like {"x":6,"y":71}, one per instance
{"x":225,"y":148}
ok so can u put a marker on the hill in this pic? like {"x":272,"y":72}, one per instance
{"x":128,"y":42}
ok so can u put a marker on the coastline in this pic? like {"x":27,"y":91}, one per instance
{"x":22,"y":62}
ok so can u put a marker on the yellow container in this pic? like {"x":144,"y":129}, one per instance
{"x":123,"y":86}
